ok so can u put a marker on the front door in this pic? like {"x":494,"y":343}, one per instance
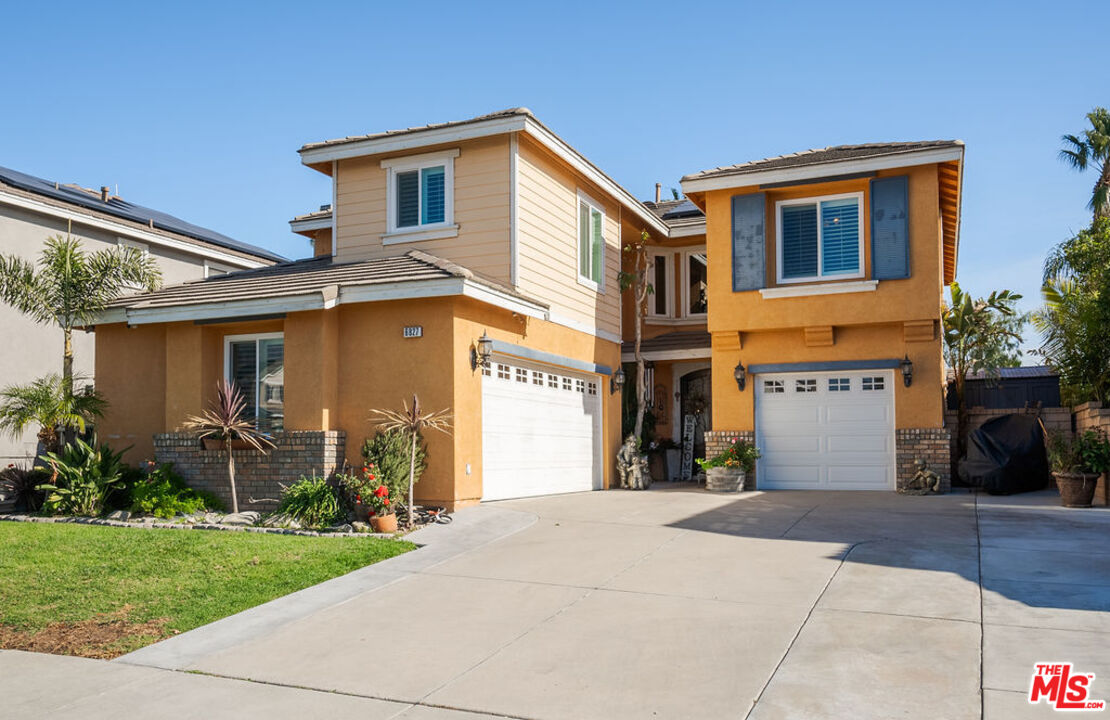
{"x":696,"y":393}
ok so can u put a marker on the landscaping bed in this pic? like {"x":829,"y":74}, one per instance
{"x":72,"y":589}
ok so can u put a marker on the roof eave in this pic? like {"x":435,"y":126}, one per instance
{"x":728,"y":180}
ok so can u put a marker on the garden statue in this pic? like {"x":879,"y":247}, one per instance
{"x":924,"y":482}
{"x":632,"y":466}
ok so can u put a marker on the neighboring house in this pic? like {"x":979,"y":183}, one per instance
{"x":33,"y":209}
{"x":826,"y":274}
{"x":791,"y":296}
{"x":437,"y":236}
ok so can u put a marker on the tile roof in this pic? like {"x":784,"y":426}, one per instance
{"x":119,"y":209}
{"x":305,"y":277}
{"x":818,"y":156}
{"x":678,"y":340}
{"x":511,"y":112}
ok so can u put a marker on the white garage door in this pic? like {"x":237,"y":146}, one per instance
{"x":826,"y":431}
{"x":541,"y":430}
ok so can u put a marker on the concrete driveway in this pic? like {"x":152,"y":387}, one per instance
{"x":673,"y":603}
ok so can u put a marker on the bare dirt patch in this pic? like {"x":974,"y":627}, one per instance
{"x":105,"y":636}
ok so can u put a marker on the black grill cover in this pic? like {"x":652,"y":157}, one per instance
{"x":1006,"y":455}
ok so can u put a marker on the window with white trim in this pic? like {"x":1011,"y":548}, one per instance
{"x":420,"y":192}
{"x":840,"y":384}
{"x":808,"y":385}
{"x":773,"y":386}
{"x":820,"y":238}
{"x":871,"y":384}
{"x":697,"y":284}
{"x":256,"y":365}
{"x":591,"y":243}
{"x":661,"y":274}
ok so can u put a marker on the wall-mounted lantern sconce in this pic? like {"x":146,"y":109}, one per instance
{"x":907,"y":370}
{"x":481,"y":352}
{"x":617,"y":381}
{"x":741,"y":376}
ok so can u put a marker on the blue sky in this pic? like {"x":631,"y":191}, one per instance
{"x":199,"y":109}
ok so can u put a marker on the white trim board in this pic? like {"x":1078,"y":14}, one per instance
{"x":689,"y":354}
{"x":152,"y":237}
{"x":833,"y":288}
{"x":320,"y":223}
{"x":827,"y":169}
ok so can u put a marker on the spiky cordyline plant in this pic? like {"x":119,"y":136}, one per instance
{"x":70,"y":287}
{"x":225,"y":419}
{"x":412,"y":422}
{"x":48,"y":403}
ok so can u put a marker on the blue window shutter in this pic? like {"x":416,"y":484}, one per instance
{"x":749,"y":262}
{"x":799,"y":241}
{"x":432,"y":189}
{"x":890,"y":228}
{"x":840,"y":237}
{"x":408,"y":198}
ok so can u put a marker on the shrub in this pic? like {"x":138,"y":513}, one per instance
{"x":389,"y":451}
{"x":163,"y":493}
{"x":313,"y":502}
{"x":357,"y":487}
{"x":84,"y":475}
{"x":1088,"y":452}
{"x":740,"y":454}
{"x":22,"y":484}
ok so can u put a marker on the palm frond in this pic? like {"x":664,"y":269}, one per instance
{"x":411,"y":419}
{"x":48,"y":403}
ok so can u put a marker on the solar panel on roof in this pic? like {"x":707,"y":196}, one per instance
{"x":128,"y":211}
{"x":684,"y":209}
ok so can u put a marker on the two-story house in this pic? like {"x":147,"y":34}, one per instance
{"x":471,"y":263}
{"x":826,"y":278}
{"x":33,"y":209}
{"x":475,"y":264}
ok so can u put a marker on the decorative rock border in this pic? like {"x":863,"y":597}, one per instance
{"x":151,"y":523}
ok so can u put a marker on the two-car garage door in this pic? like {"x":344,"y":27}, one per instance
{"x":541,"y":430}
{"x":825,"y":431}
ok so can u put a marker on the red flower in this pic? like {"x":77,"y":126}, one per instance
{"x":372,"y":477}
{"x":382,"y":491}
{"x":385,"y":500}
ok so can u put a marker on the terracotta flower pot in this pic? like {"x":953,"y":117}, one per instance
{"x":384,"y":523}
{"x":724,"y":479}
{"x":1077,"y":490}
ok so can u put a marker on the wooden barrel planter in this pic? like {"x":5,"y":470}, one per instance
{"x":724,"y":479}
{"x":1077,"y":490}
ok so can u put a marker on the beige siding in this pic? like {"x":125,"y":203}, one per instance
{"x":547,"y":236}
{"x":481,"y":210}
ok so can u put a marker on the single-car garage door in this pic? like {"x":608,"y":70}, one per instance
{"x":825,"y":431}
{"x":541,"y":430}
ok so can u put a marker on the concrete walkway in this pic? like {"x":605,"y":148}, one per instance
{"x":666,"y":604}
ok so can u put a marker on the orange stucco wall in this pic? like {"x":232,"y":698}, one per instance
{"x":866,"y":325}
{"x":339,"y":365}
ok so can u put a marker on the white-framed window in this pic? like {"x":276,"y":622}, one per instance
{"x":819,"y":237}
{"x":695,"y":289}
{"x":870,"y":384}
{"x":420,"y":196}
{"x":774,"y":387}
{"x":661,"y":277}
{"x":591,"y":243}
{"x":553,"y":381}
{"x":566,"y":383}
{"x":537,"y":378}
{"x":502,"y":372}
{"x":579,"y":386}
{"x":522,"y":375}
{"x":807,"y":385}
{"x":840,"y":384}
{"x":256,"y":364}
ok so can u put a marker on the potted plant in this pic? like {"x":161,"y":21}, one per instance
{"x":1077,"y":464}
{"x":382,"y":517}
{"x":728,"y":471}
{"x":359,"y":488}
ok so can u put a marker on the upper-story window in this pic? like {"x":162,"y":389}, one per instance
{"x":697,"y":287}
{"x":420,"y":193}
{"x":820,"y":238}
{"x":662,"y":279}
{"x":591,"y":243}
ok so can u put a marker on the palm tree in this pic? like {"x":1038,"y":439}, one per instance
{"x":1092,"y":148}
{"x":226,"y":420}
{"x":412,"y":423}
{"x":48,"y":403}
{"x":979,"y":334}
{"x":70,"y":287}
{"x":1074,"y":342}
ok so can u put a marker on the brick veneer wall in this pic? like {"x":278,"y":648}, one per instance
{"x":933,"y":445}
{"x":717,"y":441}
{"x":257,"y":475}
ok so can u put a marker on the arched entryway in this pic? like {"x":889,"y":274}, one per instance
{"x":696,"y":399}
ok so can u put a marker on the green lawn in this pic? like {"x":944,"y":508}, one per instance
{"x":58,"y":578}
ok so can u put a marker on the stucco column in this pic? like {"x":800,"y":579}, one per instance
{"x":184,"y":385}
{"x":311,"y":370}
